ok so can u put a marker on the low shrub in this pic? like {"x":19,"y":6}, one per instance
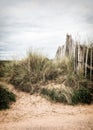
{"x":56,"y":95}
{"x":72,"y":80}
{"x":50,"y":71}
{"x":6,"y":97}
{"x":68,"y":95}
{"x":81,"y":95}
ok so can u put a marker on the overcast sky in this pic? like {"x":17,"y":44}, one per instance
{"x":42,"y":24}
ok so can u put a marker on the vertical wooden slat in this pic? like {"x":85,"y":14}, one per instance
{"x":86,"y":62}
{"x":78,"y":56}
{"x":84,"y":50}
{"x":91,"y":64}
{"x":75,"y":59}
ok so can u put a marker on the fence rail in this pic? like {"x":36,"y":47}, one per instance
{"x":88,"y":66}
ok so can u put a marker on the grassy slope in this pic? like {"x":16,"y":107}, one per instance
{"x":36,"y":70}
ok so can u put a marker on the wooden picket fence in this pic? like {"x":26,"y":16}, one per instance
{"x":83,"y":56}
{"x":84,"y":60}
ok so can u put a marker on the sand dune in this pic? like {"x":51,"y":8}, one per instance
{"x":33,"y":112}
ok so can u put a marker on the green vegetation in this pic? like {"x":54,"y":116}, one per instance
{"x":81,"y":95}
{"x":32,"y":71}
{"x":6,"y":97}
{"x":36,"y":70}
{"x":58,"y":95}
{"x":54,"y":94}
{"x":68,"y":95}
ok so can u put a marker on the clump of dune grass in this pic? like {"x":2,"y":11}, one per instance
{"x":4,"y":68}
{"x":63,"y":94}
{"x":67,"y":74}
{"x":29,"y":73}
{"x":81,"y":95}
{"x":50,"y":71}
{"x":6,"y":97}
{"x":53,"y":94}
{"x":68,"y":95}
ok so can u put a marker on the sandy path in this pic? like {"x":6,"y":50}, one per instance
{"x":32,"y":112}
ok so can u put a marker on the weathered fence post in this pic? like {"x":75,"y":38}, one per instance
{"x":91,"y":64}
{"x":76,"y":58}
{"x":86,"y":62}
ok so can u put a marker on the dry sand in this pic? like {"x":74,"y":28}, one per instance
{"x":33,"y":112}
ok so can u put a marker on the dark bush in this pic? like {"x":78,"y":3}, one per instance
{"x":82,"y":95}
{"x":6,"y":97}
{"x":54,"y":94}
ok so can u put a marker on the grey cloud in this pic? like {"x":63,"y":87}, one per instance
{"x":89,"y":19}
{"x":18,"y":17}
